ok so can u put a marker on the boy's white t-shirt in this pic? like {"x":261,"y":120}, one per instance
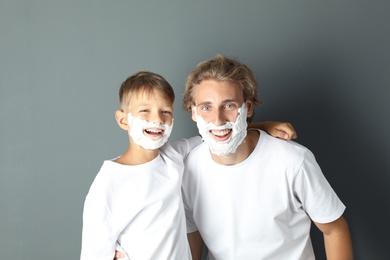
{"x":260,"y":208}
{"x":138,"y":209}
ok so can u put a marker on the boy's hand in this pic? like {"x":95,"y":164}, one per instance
{"x":118,"y":255}
{"x":281,"y":130}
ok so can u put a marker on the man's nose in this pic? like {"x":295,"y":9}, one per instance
{"x":218,"y":118}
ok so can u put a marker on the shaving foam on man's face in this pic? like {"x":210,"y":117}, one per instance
{"x":149,"y":135}
{"x":229,"y":146}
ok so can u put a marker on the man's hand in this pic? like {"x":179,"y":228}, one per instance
{"x":281,"y":130}
{"x":119,"y":255}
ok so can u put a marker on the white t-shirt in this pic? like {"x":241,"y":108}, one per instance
{"x":138,"y":209}
{"x":260,"y":208}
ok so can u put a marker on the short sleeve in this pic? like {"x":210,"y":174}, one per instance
{"x":314,"y":192}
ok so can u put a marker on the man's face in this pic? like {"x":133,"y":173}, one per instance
{"x":218,"y":105}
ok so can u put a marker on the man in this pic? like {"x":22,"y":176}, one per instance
{"x":248,"y":195}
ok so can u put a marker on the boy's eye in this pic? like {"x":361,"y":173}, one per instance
{"x":167,"y":112}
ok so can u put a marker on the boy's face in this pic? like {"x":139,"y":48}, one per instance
{"x":149,"y":119}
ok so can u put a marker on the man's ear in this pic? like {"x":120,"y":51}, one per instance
{"x":121,"y":119}
{"x":193,"y":113}
{"x":249,"y":107}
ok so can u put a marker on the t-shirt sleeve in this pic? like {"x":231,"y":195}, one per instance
{"x":314,"y":192}
{"x":185,"y":146}
{"x":98,"y":235}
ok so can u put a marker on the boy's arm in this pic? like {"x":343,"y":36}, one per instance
{"x":338,"y":244}
{"x":185,"y":146}
{"x":281,"y":130}
{"x":196,"y":245}
{"x":119,"y":255}
{"x":96,"y":237}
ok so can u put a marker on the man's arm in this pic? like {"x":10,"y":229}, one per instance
{"x":196,"y":245}
{"x":281,"y":130}
{"x":338,"y":244}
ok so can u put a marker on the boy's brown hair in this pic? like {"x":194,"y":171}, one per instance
{"x":147,"y":82}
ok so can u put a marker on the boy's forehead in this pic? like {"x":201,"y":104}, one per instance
{"x":148,"y":97}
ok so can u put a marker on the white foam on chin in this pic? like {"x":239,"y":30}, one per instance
{"x":237,"y":137}
{"x":136,"y":132}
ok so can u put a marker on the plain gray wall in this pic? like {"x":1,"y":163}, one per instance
{"x":321,"y":65}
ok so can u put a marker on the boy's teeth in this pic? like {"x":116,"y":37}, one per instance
{"x":156,"y":131}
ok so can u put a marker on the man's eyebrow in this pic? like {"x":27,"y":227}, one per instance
{"x":204,"y":103}
{"x":230,"y":100}
{"x":223,"y":102}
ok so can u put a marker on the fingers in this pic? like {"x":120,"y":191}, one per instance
{"x":118,"y":255}
{"x":288,"y":131}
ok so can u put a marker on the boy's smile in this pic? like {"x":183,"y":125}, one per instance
{"x":154,"y":133}
{"x":149,"y":119}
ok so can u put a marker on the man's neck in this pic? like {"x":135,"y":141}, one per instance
{"x":243,"y":150}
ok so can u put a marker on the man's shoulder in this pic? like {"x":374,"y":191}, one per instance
{"x":288,"y":149}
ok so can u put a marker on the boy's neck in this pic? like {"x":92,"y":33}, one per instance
{"x":136,"y":155}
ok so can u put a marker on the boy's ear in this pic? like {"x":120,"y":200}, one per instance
{"x":121,"y":119}
{"x":193,"y":113}
{"x":249,"y":107}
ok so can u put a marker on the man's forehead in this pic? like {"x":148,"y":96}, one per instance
{"x":217,"y":91}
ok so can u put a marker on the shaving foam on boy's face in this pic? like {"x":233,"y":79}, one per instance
{"x":149,"y":135}
{"x":238,"y":132}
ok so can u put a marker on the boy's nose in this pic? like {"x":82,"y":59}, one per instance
{"x":157,"y":119}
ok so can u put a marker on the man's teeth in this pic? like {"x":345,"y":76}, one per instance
{"x":220,"y":132}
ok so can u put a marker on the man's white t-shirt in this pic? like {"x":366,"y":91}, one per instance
{"x":138,"y":209}
{"x":260,"y":208}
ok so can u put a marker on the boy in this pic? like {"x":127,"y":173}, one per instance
{"x":134,"y":204}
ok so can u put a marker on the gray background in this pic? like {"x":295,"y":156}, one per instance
{"x":321,"y":65}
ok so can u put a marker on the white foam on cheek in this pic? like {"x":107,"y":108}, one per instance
{"x":238,"y":132}
{"x":136,"y":132}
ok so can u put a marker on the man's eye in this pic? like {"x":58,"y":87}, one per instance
{"x":206,"y":108}
{"x":167,"y":112}
{"x":230,"y":106}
